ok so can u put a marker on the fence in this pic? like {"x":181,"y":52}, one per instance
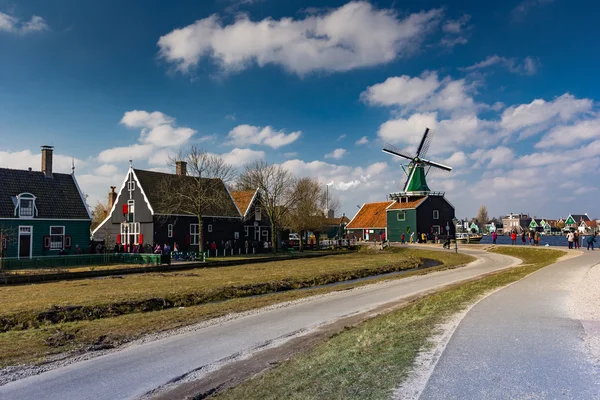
{"x":83,"y":260}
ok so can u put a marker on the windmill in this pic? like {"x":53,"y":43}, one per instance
{"x":419,"y":167}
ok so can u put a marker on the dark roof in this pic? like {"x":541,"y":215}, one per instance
{"x":57,"y":197}
{"x":580,"y":217}
{"x":150,"y":182}
{"x":337,"y":220}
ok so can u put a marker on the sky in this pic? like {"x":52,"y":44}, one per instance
{"x":510,"y":90}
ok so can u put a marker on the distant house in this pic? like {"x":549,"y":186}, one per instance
{"x":42,"y":212}
{"x":515,"y":223}
{"x":256,"y":225}
{"x":335,"y":226}
{"x":573,"y":221}
{"x":137,"y":216}
{"x":588,"y":227}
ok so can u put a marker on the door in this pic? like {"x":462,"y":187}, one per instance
{"x":25,"y":241}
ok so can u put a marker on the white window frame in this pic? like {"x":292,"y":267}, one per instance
{"x":61,"y":235}
{"x":26,"y":196}
{"x":131,"y":186}
{"x":209,"y":228}
{"x":133,"y":229}
{"x":194,"y":234}
{"x":257,"y":214}
{"x":28,"y":231}
{"x":436,"y":214}
{"x":403,"y":213}
{"x":265,"y":233}
{"x":247,"y":230}
{"x":436,"y":229}
{"x":170,"y":230}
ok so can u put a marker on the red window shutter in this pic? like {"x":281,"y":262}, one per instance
{"x":118,"y":239}
{"x":46,"y":242}
{"x":68,"y":241}
{"x":187,"y":239}
{"x":125,"y":209}
{"x":141,"y":240}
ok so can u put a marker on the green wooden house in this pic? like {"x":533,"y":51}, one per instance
{"x":42,"y":213}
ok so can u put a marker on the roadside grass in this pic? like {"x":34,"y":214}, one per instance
{"x":369,"y":361}
{"x":39,"y":344}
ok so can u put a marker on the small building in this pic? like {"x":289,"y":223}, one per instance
{"x":137,"y":216}
{"x":42,"y":213}
{"x":573,"y":221}
{"x":256,"y":226}
{"x":370,"y":222}
{"x":430,"y":214}
{"x":588,"y":227}
{"x":335,"y":227}
{"x":516,"y":223}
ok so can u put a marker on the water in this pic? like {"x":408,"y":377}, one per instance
{"x":550,"y":240}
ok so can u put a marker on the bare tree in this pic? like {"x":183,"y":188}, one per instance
{"x":482,"y":216}
{"x":99,"y":214}
{"x":306,"y":214}
{"x":276,"y":187}
{"x":202,"y":190}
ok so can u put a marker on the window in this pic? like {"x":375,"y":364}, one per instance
{"x":57,"y":237}
{"x":401,"y":215}
{"x":194,"y":234}
{"x":170,"y":230}
{"x":236,"y":235}
{"x":247,"y":230}
{"x":130,"y":210}
{"x":130,"y":233}
{"x":435,"y":229}
{"x":265,"y":233}
{"x":257,"y":214}
{"x":131,"y":186}
{"x":210,"y":228}
{"x":436,"y":214}
{"x":25,"y":202}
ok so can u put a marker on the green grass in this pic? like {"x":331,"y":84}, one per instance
{"x":369,"y":361}
{"x":36,"y":344}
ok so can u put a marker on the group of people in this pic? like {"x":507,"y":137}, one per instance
{"x":574,"y":239}
{"x":421,"y":238}
{"x":533,"y":237}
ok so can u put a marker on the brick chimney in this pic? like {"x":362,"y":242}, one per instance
{"x":180,"y":167}
{"x":112,"y":197}
{"x":47,"y":160}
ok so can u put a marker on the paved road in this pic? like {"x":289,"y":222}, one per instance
{"x":136,"y":370}
{"x":521,"y":343}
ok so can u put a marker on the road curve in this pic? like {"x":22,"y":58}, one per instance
{"x":136,"y":370}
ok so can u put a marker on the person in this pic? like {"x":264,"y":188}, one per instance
{"x":513,"y":237}
{"x":166,"y":248}
{"x":175,"y":247}
{"x":536,"y":238}
{"x":402,"y":238}
{"x":157,"y":249}
{"x":213,"y":246}
{"x":523,"y":237}
{"x":423,"y":238}
{"x":77,"y":249}
{"x":447,"y":242}
{"x":246,"y":246}
{"x":116,"y":249}
{"x":590,"y":241}
{"x":576,"y":240}
{"x":570,"y":238}
{"x":412,"y":237}
{"x":529,"y":237}
{"x":494,"y":237}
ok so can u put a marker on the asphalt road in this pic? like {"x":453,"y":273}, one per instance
{"x":136,"y":370}
{"x":521,"y":343}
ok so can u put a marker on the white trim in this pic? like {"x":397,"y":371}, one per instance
{"x":438,"y":214}
{"x":64,"y":235}
{"x":30,"y":241}
{"x":233,"y":200}
{"x":142,"y":190}
{"x":113,"y":206}
{"x":359,"y":210}
{"x":169,"y":230}
{"x":87,"y":209}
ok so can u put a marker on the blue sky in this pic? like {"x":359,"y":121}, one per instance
{"x":317,"y":86}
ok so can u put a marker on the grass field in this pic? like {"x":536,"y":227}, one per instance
{"x":35,"y":344}
{"x":369,"y":361}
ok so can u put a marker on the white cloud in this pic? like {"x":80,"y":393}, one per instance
{"x":456,"y":31}
{"x":133,"y":152}
{"x":539,"y":113}
{"x":341,"y":137}
{"x":524,"y":7}
{"x":497,"y":157}
{"x":402,"y":90}
{"x":529,"y":65}
{"x":12,"y":24}
{"x":362,"y":140}
{"x":238,"y":157}
{"x":243,"y":135}
{"x":336,"y":154}
{"x":457,"y":159}
{"x":571,"y":135}
{"x":106,"y":170}
{"x":158,"y":129}
{"x":352,"y":36}
{"x":25,"y":159}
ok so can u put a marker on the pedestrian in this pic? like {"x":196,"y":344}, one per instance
{"x":494,"y":237}
{"x":576,"y":240}
{"x":412,"y":237}
{"x":529,"y":237}
{"x":423,"y":238}
{"x":513,"y":237}
{"x":523,"y":237}
{"x":77,"y":249}
{"x":590,"y":241}
{"x":570,"y":238}
{"x":402,"y":238}
{"x":536,"y":238}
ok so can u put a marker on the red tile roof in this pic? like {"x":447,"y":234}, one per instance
{"x":371,"y":215}
{"x":337,"y":220}
{"x":243,"y":199}
{"x":405,"y":205}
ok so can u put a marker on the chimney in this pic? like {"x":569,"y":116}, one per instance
{"x":181,"y":168}
{"x":112,"y":197}
{"x":47,"y":160}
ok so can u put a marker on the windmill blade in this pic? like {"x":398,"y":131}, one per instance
{"x":422,"y":142}
{"x":437,"y":165}
{"x":427,"y":143}
{"x":396,"y":151}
